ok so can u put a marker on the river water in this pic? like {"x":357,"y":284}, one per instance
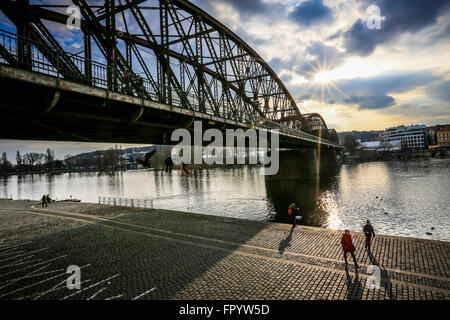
{"x":401,"y":198}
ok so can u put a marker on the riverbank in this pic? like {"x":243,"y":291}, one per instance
{"x":128,"y":253}
{"x":361,"y":155}
{"x":402,"y":198}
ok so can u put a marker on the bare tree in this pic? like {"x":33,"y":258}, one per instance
{"x":68,"y":160}
{"x":33,"y":158}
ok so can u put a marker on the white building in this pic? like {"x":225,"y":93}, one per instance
{"x":382,"y":145}
{"x":410,"y":136}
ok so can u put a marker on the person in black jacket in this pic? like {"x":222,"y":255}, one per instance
{"x":294,"y":212}
{"x":368,"y":232}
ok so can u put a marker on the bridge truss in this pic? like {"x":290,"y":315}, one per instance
{"x":168,"y":51}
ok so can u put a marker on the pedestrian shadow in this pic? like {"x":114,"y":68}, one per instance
{"x":354,"y":286}
{"x":385,"y":279}
{"x":286,"y":242}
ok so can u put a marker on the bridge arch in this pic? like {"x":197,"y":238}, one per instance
{"x":187,"y":58}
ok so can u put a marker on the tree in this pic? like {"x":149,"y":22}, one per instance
{"x":350,"y":142}
{"x":19,"y":160}
{"x":68,"y":160}
{"x":5,"y":164}
{"x":33,"y":158}
{"x":50,"y":158}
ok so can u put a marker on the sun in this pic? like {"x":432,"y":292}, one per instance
{"x":322,"y":76}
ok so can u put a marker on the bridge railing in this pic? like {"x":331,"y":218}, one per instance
{"x":127,"y":202}
{"x":42,"y":58}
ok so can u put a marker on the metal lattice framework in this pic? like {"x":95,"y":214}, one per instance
{"x":186,"y":57}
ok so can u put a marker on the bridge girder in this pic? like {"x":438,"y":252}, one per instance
{"x":192,"y":55}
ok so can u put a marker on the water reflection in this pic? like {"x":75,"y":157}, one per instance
{"x":307,"y":195}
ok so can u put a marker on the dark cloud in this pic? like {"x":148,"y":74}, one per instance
{"x":400,"y":16}
{"x":244,"y":7}
{"x":310,"y":12}
{"x":440,"y":91}
{"x":398,"y":82}
{"x":419,"y":110}
{"x":371,"y":102}
{"x":374,"y":92}
{"x":304,"y":97}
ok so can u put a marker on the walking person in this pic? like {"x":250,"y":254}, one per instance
{"x":47,"y":199}
{"x":368,"y":232}
{"x":44,"y":201}
{"x":347,"y":246}
{"x":294,"y":213}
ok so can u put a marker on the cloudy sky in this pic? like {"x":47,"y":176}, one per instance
{"x":358,"y":78}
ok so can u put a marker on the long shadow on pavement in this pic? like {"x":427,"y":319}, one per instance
{"x":354,"y":286}
{"x":145,"y":260}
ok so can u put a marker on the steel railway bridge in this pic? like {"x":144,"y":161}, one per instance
{"x":145,"y":68}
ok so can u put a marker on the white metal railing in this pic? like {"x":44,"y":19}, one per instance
{"x":126,"y":202}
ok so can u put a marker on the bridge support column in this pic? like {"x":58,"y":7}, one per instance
{"x":296,"y":164}
{"x":305,"y":164}
{"x":327,"y":161}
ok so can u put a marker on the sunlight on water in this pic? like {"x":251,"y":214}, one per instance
{"x":329,"y":205}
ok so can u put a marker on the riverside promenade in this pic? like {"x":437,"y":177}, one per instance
{"x":131,"y":253}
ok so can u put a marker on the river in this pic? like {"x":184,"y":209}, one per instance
{"x":401,"y":198}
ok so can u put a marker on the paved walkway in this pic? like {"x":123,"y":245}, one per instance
{"x":129,"y":253}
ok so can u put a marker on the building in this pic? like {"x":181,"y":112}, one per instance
{"x":411,"y":137}
{"x":431,"y":136}
{"x":443,"y":136}
{"x":438,"y":136}
{"x":380,"y":146}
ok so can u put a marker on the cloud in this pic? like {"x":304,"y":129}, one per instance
{"x":440,"y":91}
{"x":248,"y":7}
{"x":420,"y":110}
{"x":398,"y":82}
{"x":243,"y":7}
{"x":323,"y":58}
{"x":310,"y":12}
{"x":401,"y":16}
{"x":372,"y":93}
{"x":371,"y":102}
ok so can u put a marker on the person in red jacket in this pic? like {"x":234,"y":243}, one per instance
{"x":347,"y":246}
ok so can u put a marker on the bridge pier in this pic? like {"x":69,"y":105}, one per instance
{"x":296,"y":164}
{"x":302,"y":177}
{"x":308,"y":163}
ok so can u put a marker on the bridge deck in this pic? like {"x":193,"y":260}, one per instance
{"x":76,"y":111}
{"x":156,"y":254}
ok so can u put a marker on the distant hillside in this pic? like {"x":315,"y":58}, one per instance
{"x":363,"y":135}
{"x":115,"y":154}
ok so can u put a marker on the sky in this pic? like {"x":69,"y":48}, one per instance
{"x":356,"y":77}
{"x":331,"y":62}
